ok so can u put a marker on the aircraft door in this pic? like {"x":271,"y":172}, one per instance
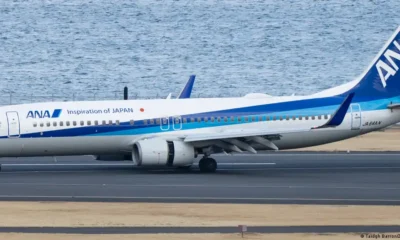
{"x":355,"y":116}
{"x":164,"y":123}
{"x":177,"y":122}
{"x":13,"y":124}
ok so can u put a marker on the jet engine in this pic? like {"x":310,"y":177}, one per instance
{"x":160,"y":152}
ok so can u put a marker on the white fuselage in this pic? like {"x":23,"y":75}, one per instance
{"x":79,"y":127}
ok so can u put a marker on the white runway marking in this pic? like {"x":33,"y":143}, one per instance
{"x":305,"y":168}
{"x":244,"y":164}
{"x":310,"y":154}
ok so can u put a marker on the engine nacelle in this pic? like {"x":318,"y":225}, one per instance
{"x":160,"y":152}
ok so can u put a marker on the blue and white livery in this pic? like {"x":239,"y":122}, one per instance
{"x":172,"y":132}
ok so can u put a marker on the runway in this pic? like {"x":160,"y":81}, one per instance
{"x":287,"y":177}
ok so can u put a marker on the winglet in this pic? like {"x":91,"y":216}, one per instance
{"x":338,"y":116}
{"x":187,"y":90}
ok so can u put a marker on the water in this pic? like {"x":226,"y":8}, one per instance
{"x":92,"y":49}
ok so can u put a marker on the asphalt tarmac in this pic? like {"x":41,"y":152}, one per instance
{"x":290,"y":178}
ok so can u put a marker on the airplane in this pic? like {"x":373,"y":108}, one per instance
{"x":173,"y":132}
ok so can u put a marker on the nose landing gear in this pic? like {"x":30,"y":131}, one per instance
{"x":207,"y":165}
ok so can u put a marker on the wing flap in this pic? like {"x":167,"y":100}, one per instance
{"x":231,"y":134}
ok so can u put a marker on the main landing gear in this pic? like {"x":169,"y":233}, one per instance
{"x":207,"y":165}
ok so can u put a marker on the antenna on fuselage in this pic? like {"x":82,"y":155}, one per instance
{"x":125,"y":93}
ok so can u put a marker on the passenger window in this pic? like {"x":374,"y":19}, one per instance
{"x":192,"y":120}
{"x":212,"y":119}
{"x":55,"y":124}
{"x":313,"y":117}
{"x":152,"y":121}
{"x":145,"y":122}
{"x":117,"y":122}
{"x":61,"y":123}
{"x":110,"y":122}
{"x":225,"y":119}
{"x":131,"y":122}
{"x":239,"y":119}
{"x":232,"y":119}
{"x":176,"y":120}
{"x":104,"y":122}
{"x":205,"y":119}
{"x":41,"y":124}
{"x":34,"y":124}
{"x":74,"y":123}
{"x":48,"y":124}
{"x":199,"y":119}
{"x":306,"y":117}
{"x":165,"y":120}
{"x":184,"y":120}
{"x":219,"y":119}
{"x":96,"y":122}
{"x":253,"y":118}
{"x":246,"y":119}
{"x":67,"y":123}
{"x":89,"y":123}
{"x":82,"y":123}
{"x":300,"y":118}
{"x":158,"y":121}
{"x":294,"y":117}
{"x":281,"y":118}
{"x":287,"y":118}
{"x":326,"y":116}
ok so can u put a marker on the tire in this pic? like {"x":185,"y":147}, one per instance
{"x":208,"y":165}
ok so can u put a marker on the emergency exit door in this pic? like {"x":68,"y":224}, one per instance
{"x":355,"y":116}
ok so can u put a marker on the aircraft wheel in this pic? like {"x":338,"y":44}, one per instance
{"x":207,"y":165}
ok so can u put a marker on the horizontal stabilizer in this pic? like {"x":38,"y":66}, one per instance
{"x":337,"y":118}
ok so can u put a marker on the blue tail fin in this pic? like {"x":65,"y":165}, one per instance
{"x":187,"y":90}
{"x":381,"y":79}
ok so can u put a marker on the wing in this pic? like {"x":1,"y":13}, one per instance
{"x":237,"y":140}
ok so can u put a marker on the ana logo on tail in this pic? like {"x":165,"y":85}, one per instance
{"x":390,"y":70}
